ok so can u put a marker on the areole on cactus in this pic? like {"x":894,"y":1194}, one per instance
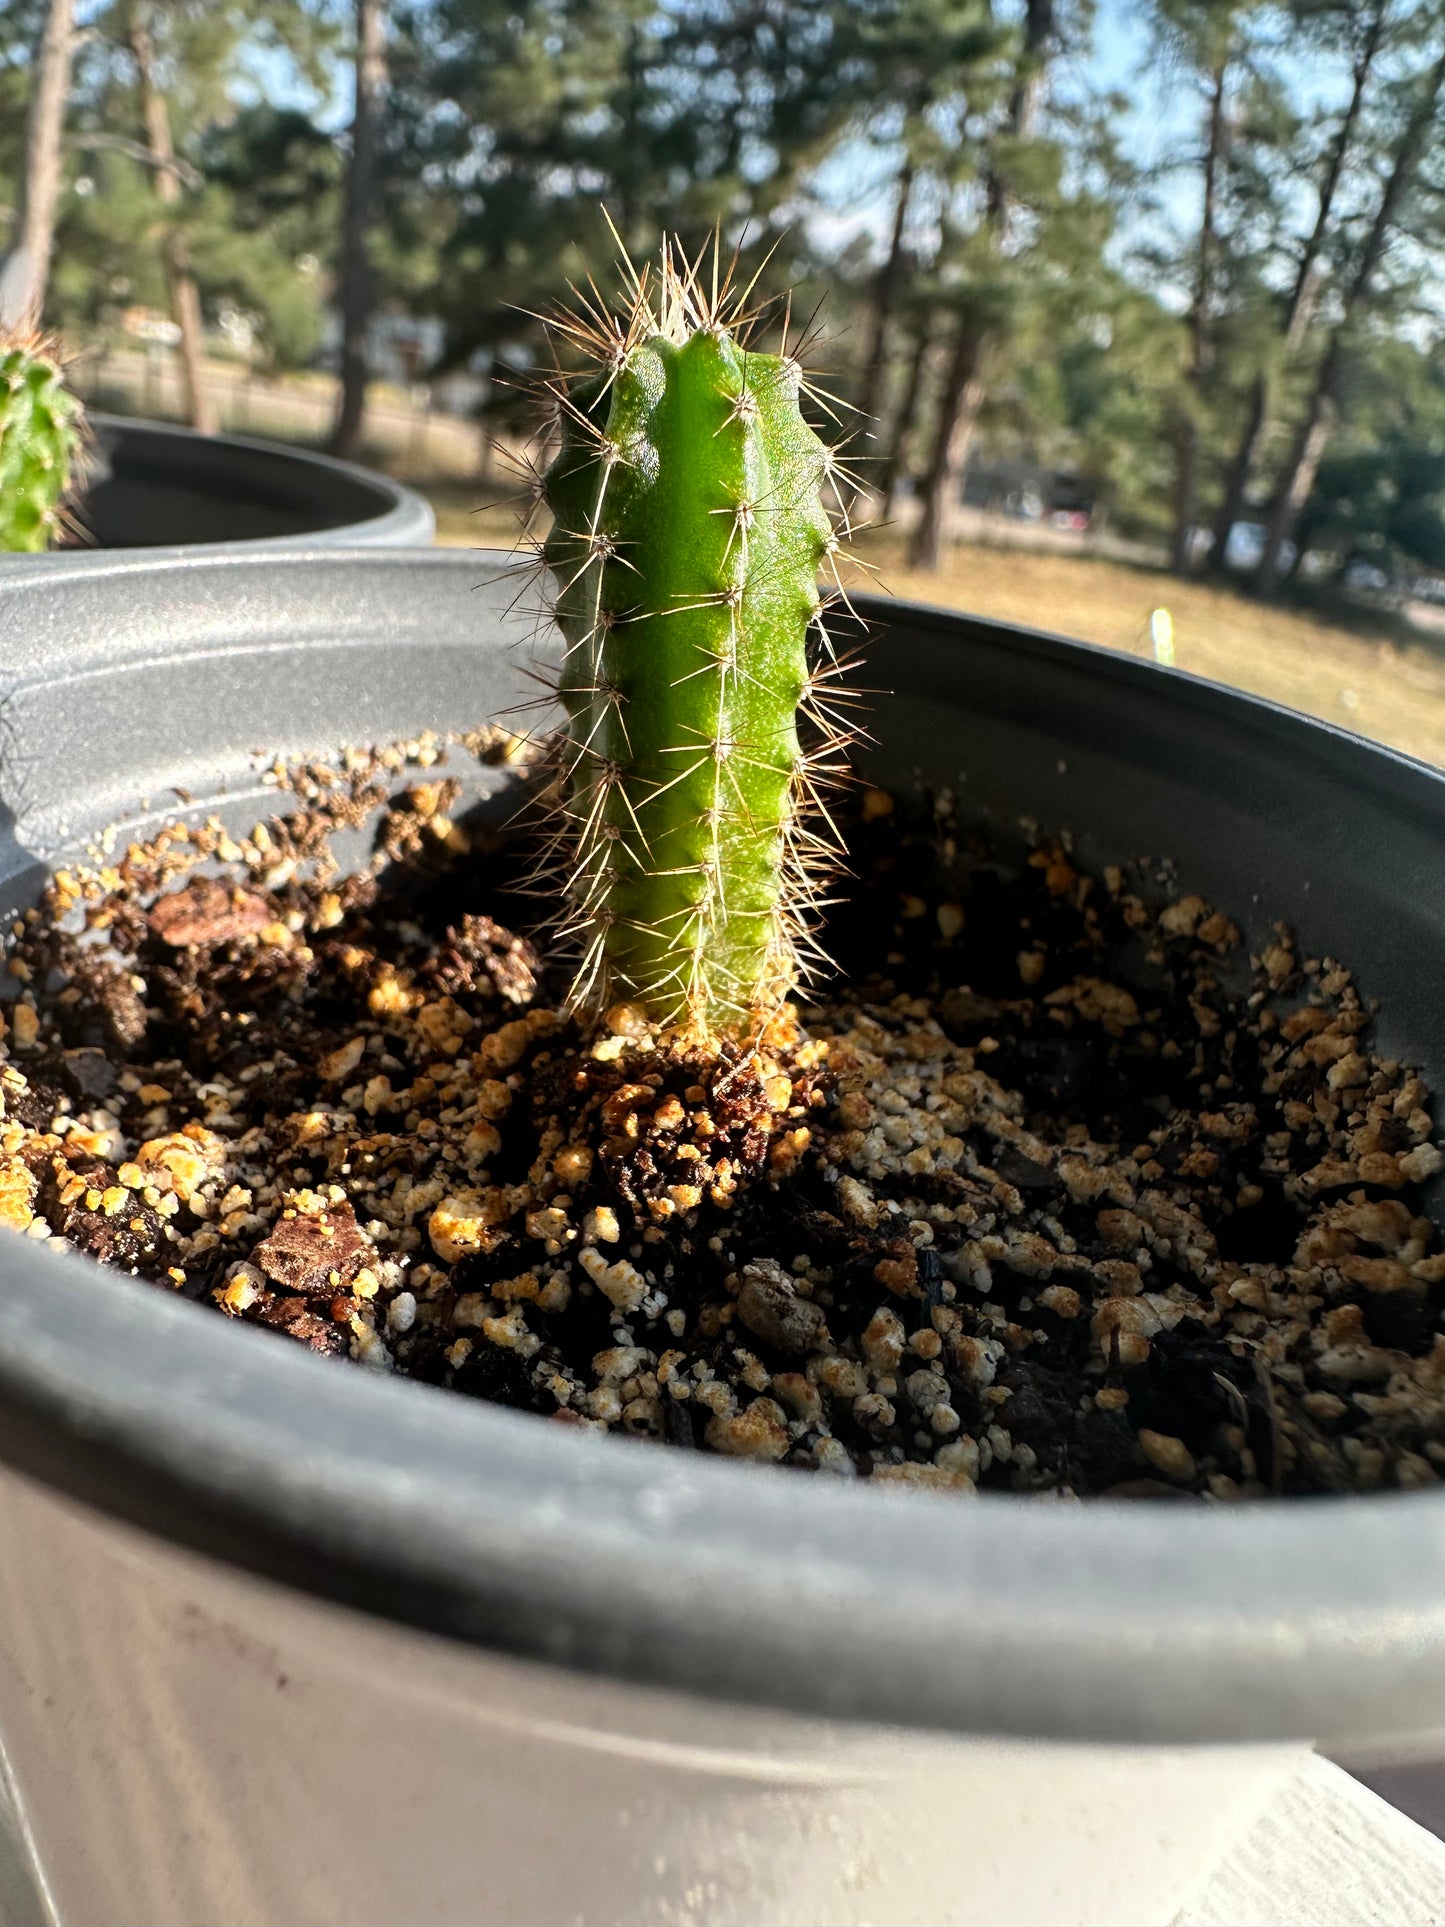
{"x":40,"y":441}
{"x":689,"y":531}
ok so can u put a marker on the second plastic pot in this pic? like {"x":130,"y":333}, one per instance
{"x":156,"y":486}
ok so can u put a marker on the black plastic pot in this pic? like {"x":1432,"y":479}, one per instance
{"x":1314,"y":1620}
{"x":121,"y":686}
{"x":157,"y":486}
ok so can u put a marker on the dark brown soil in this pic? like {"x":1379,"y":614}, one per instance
{"x":1059,"y":1189}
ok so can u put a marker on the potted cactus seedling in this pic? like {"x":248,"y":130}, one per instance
{"x":688,"y":535}
{"x":718,"y":1401}
{"x":69,"y":485}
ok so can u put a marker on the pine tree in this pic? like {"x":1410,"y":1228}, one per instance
{"x":1020,"y":170}
{"x":1379,"y":496}
{"x":268,"y":221}
{"x":927,"y":67}
{"x":1407,"y":206}
{"x":676,"y":120}
{"x":154,"y":79}
{"x":1215,"y":46}
{"x":1359,"y":26}
{"x":185,"y":297}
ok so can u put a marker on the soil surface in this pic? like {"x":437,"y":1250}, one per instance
{"x":1056,"y":1189}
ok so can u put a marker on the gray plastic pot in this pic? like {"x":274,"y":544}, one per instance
{"x":154,"y":486}
{"x":285,"y":1641}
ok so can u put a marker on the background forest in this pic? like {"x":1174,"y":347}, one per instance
{"x":1169,"y":269}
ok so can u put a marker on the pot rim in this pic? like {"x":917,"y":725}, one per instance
{"x":1320,"y":1619}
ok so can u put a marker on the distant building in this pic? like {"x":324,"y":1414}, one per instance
{"x":1030,"y":491}
{"x":400,"y":348}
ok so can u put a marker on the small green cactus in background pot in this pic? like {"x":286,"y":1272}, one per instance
{"x":40,"y":442}
{"x":688,"y":535}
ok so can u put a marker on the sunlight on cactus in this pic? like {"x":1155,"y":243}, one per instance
{"x":689,"y":530}
{"x":40,"y":441}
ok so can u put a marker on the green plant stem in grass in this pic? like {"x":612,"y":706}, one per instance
{"x":688,"y":534}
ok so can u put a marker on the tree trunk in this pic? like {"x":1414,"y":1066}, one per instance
{"x":1240,"y":470}
{"x":963,"y":387}
{"x":184,"y":298}
{"x":957,"y":419}
{"x":1026,"y":99}
{"x":1186,"y":492}
{"x":1310,"y":442}
{"x":1312,"y":437}
{"x":357,"y":286}
{"x":885,"y":298}
{"x":1201,"y":339}
{"x":1028,"y":91}
{"x":1304,"y":295}
{"x":40,"y":168}
{"x":895,"y":468}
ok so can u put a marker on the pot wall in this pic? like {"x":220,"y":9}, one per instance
{"x":189,"y":1745}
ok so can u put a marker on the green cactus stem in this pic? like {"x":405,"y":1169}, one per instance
{"x":40,"y":442}
{"x":688,"y":534}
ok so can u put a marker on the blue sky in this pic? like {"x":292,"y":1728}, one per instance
{"x":1120,"y":49}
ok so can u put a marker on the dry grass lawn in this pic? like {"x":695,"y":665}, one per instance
{"x":1367,"y":672}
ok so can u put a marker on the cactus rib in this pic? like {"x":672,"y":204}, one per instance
{"x":688,"y":533}
{"x":40,"y":441}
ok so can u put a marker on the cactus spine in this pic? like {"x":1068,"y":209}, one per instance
{"x":40,"y":439}
{"x":688,"y":534}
